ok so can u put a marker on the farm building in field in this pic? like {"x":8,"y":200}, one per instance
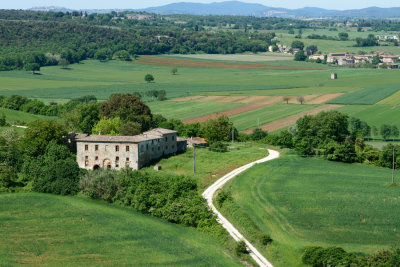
{"x":116,"y":152}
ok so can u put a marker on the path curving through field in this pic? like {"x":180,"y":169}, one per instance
{"x":237,"y":236}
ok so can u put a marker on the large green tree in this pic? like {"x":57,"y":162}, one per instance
{"x":38,"y":135}
{"x":129,"y":108}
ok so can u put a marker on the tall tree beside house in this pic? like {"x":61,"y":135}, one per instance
{"x":129,"y":108}
{"x":217,"y":130}
{"x":38,"y":135}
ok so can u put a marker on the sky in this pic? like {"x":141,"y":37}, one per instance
{"x":136,"y":4}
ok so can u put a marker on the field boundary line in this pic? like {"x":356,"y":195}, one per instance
{"x":209,"y":193}
{"x":278,"y":124}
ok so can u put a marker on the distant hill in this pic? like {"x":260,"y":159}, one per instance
{"x":247,"y":9}
{"x":237,"y":8}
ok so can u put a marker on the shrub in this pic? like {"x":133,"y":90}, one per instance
{"x":222,"y":197}
{"x":265,"y":239}
{"x":218,"y":147}
{"x":99,"y":184}
{"x":240,"y":248}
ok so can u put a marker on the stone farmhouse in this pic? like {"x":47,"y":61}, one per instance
{"x":116,"y":152}
{"x":344,"y":59}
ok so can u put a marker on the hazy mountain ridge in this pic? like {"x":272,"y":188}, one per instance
{"x":248,"y":9}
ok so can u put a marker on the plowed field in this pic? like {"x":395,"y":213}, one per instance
{"x":161,"y":61}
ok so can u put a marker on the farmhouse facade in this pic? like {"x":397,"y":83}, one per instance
{"x":116,"y":152}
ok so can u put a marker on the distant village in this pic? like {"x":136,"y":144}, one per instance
{"x":380,"y":59}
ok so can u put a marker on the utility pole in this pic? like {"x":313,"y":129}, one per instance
{"x":258,"y":122}
{"x":194,"y":158}
{"x":233,"y":134}
{"x":393,"y":167}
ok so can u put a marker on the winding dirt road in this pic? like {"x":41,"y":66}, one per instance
{"x":209,"y":193}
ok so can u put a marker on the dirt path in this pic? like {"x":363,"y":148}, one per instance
{"x":230,"y":112}
{"x":275,"y":125}
{"x":237,"y":236}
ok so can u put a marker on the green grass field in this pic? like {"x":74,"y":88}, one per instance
{"x":367,"y":96}
{"x":328,"y":46}
{"x":48,"y":230}
{"x":212,"y":165}
{"x":374,"y":114}
{"x":267,"y":114}
{"x":104,"y":79}
{"x":303,"y":202}
{"x":18,"y":117}
{"x":189,"y":109}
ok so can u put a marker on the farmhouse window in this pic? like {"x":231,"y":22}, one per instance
{"x":147,"y":146}
{"x":96,"y":158}
{"x":127,"y":148}
{"x":116,"y":158}
{"x":116,"y":148}
{"x":127,"y":159}
{"x":86,"y":157}
{"x":166,"y":139}
{"x":96,"y":147}
{"x":86,"y":147}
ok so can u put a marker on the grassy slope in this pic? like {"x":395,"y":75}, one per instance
{"x":303,"y":202}
{"x":40,"y":229}
{"x":367,"y":96}
{"x":14,"y":116}
{"x":374,"y":115}
{"x":268,"y":114}
{"x":212,"y":165}
{"x":189,"y":109}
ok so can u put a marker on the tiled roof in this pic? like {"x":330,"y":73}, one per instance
{"x":117,"y":139}
{"x":158,"y":131}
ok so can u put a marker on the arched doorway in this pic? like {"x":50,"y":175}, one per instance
{"x":96,"y":167}
{"x":107,"y":164}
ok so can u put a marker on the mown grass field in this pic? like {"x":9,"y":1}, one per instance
{"x":105,"y":78}
{"x":267,"y":114}
{"x":18,"y":117}
{"x":311,"y":202}
{"x":367,"y":96}
{"x":212,"y":165}
{"x":48,"y":230}
{"x":189,"y":109}
{"x":374,"y":114}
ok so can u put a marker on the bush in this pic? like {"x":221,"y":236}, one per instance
{"x":222,"y":197}
{"x":265,"y":239}
{"x":99,"y":184}
{"x":241,"y":248}
{"x":218,"y":147}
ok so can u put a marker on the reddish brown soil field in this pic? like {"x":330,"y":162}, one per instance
{"x":276,"y":125}
{"x":324,"y":98}
{"x":228,"y":113}
{"x":161,"y":61}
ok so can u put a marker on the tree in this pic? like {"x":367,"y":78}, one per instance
{"x":32,"y":67}
{"x":39,"y":134}
{"x":386,"y":131}
{"x":218,"y":129}
{"x":300,"y":56}
{"x":258,"y":134}
{"x":127,"y":107}
{"x":123,"y":55}
{"x":343,"y":36}
{"x":103,"y":54}
{"x":286,"y":99}
{"x":56,"y":171}
{"x":83,"y":117}
{"x":64,"y":63}
{"x":374,"y":131}
{"x":149,"y":78}
{"x":298,"y":44}
{"x":240,"y":248}
{"x":300,"y":99}
{"x":376,"y":59}
{"x":109,"y":126}
{"x":174,"y":71}
{"x":311,"y":50}
{"x":3,"y":120}
{"x":394,"y":131}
